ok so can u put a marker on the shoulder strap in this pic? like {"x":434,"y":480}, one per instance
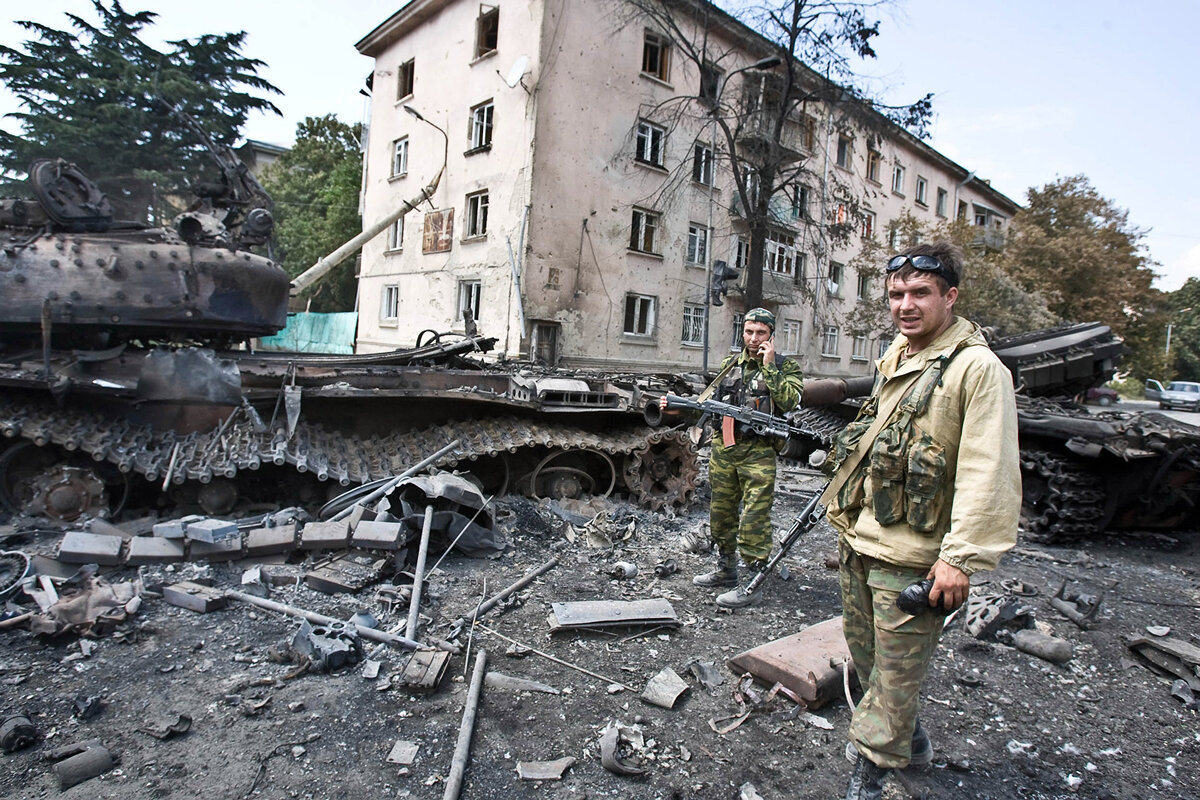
{"x":711,"y":389}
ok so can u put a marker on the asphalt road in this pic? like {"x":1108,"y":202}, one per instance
{"x":1190,"y":417}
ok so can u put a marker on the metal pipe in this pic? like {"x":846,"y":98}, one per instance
{"x":387,"y":487}
{"x":414,"y":605}
{"x":462,"y":750}
{"x":320,"y":619}
{"x":492,"y":602}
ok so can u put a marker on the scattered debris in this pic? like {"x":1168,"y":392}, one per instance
{"x":194,"y":597}
{"x":664,"y":689}
{"x":17,"y":733}
{"x":168,"y":730}
{"x":403,"y":753}
{"x":544,"y":770}
{"x":622,"y":570}
{"x":989,"y":613}
{"x":808,"y":663}
{"x":609,"y":614}
{"x":329,"y":647}
{"x":462,"y":749}
{"x":666,"y":567}
{"x":508,"y":683}
{"x":1043,"y":645}
{"x":1078,"y":607}
{"x":707,"y":674}
{"x":1171,"y":656}
{"x":618,"y":745}
{"x":80,"y":762}
{"x":424,"y":670}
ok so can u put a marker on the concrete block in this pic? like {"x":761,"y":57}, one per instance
{"x":154,"y":550}
{"x":175,"y":528}
{"x":269,"y":541}
{"x":90,"y":548}
{"x":223,"y":550}
{"x":212,"y":530}
{"x":331,"y":535}
{"x":194,"y":597}
{"x":371,"y":535}
{"x":360,"y":513}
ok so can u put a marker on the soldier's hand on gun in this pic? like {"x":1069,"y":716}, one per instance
{"x":662,"y":402}
{"x":950,"y":582}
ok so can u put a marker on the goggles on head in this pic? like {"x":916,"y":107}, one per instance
{"x":924,"y":264}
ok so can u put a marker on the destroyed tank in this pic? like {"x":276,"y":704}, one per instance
{"x":1083,"y":473}
{"x":122,"y":378}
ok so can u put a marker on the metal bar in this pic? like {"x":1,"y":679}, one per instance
{"x":492,"y":602}
{"x":321,"y":619}
{"x":387,"y":487}
{"x":414,"y":605}
{"x":462,"y":750}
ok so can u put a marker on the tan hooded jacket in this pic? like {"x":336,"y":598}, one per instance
{"x":973,"y":416}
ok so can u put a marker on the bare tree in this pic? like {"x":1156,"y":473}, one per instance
{"x":795,"y":96}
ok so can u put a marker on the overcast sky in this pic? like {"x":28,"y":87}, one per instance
{"x":1026,"y":90}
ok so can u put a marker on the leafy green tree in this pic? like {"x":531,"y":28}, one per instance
{"x":1079,"y":250}
{"x":315,"y":187}
{"x":1183,"y":316}
{"x":98,"y":96}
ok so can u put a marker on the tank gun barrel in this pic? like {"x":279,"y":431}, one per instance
{"x":324,"y":265}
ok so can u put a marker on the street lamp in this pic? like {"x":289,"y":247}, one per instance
{"x":770,"y":62}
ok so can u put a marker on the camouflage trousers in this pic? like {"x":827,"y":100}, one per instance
{"x":891,"y":652}
{"x":743,"y":488}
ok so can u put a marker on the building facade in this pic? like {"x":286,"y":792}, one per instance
{"x":585,"y":207}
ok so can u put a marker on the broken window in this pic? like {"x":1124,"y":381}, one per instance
{"x":469,"y":293}
{"x":697,"y":246}
{"x":481,"y":125}
{"x":639,"y":314}
{"x":835,"y":278}
{"x":873,"y":162}
{"x":868,"y":224}
{"x":922,"y":191}
{"x":400,"y":157}
{"x":405,"y":75}
{"x":477,"y":214}
{"x":845,"y":152}
{"x":941,"y":202}
{"x":702,"y":164}
{"x":799,"y":201}
{"x":656,"y":56}
{"x":780,"y":254}
{"x":864,"y":287}
{"x":741,"y":253}
{"x":858,"y":349}
{"x":396,"y":235}
{"x":389,"y":309}
{"x":898,"y":179}
{"x":693,"y":324}
{"x":710,"y":83}
{"x":650,"y":143}
{"x":643,"y":235}
{"x":487,"y":31}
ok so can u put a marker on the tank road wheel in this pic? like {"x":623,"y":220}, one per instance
{"x":48,"y":482}
{"x":573,"y":473}
{"x":661,"y":474}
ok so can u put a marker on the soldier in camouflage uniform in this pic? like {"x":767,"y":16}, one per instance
{"x":741,"y":469}
{"x":926,"y":484}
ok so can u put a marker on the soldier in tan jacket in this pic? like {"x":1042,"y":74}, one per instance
{"x":926,"y":484}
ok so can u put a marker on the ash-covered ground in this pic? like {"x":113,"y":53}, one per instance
{"x":1005,"y":724}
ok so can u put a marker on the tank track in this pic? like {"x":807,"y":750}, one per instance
{"x":1064,"y":501}
{"x":658,"y":467}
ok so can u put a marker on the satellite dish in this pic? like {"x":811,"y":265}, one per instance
{"x":517,"y":71}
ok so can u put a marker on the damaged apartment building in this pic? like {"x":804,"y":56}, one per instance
{"x":587,"y":201}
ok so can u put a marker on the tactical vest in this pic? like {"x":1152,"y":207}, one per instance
{"x":906,"y":465}
{"x":737,"y":391}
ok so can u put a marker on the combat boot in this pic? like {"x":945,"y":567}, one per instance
{"x":741,"y":597}
{"x":866,"y":781}
{"x":922,"y":748}
{"x":726,"y":573}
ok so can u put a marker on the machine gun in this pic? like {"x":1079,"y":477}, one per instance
{"x":812,"y":513}
{"x":760,"y":423}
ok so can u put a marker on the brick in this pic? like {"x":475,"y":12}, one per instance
{"x":378,"y":535}
{"x":175,"y":528}
{"x":90,"y":548}
{"x":224,"y":550}
{"x":194,"y":597}
{"x":269,"y":541}
{"x":331,"y":535}
{"x":212,"y":530}
{"x":154,"y":550}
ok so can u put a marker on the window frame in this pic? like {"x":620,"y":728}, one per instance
{"x":942,"y":197}
{"x":739,"y":322}
{"x":898,"y":179}
{"x":470,"y":293}
{"x":698,"y":240}
{"x":741,"y":252}
{"x":476,"y":207}
{"x":406,"y":78}
{"x":693,"y":323}
{"x":800,"y":201}
{"x":858,"y":348}
{"x":482,"y":126}
{"x":487,"y":27}
{"x":396,"y":235}
{"x":650,"y":135}
{"x":791,"y":335}
{"x":389,"y":299}
{"x":779,"y":253}
{"x":644,"y":315}
{"x":644,"y":221}
{"x":845,"y":152}
{"x":864,"y":287}
{"x":874,"y":162}
{"x":921,"y":192}
{"x":399,"y":170}
{"x":868,"y":224}
{"x":663,"y":44}
{"x":835,"y":286}
{"x":702,"y":164}
{"x":830,"y":335}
